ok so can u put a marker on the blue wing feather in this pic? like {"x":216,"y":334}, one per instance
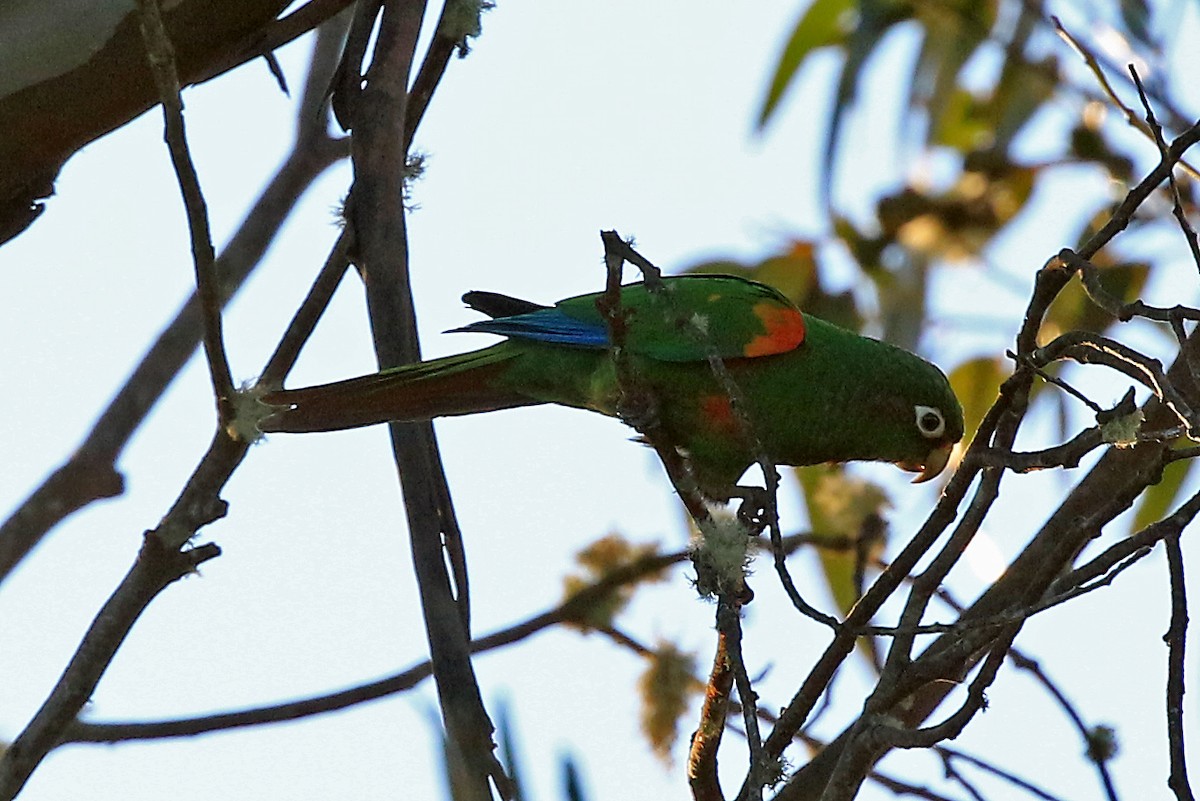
{"x":544,"y":325}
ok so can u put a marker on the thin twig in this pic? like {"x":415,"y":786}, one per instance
{"x":161,"y":56}
{"x":1031,"y":666}
{"x":730,"y":623}
{"x":1089,"y":274}
{"x":728,"y":661}
{"x":89,"y":474}
{"x":1128,"y":547}
{"x":1088,"y":348}
{"x":950,"y":754}
{"x":377,"y":111}
{"x":1189,"y":234}
{"x":975,"y":701}
{"x":1094,"y":66}
{"x":1123,"y":214}
{"x":448,"y":37}
{"x":1067,"y":455}
{"x":573,"y":609}
{"x":155,"y":568}
{"x":638,"y":408}
{"x":793,"y":716}
{"x":1176,"y":639}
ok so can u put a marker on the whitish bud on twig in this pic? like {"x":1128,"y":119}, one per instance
{"x":719,"y":552}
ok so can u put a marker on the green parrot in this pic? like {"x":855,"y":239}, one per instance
{"x":809,"y":391}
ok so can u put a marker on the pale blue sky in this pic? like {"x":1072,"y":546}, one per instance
{"x":567,"y":118}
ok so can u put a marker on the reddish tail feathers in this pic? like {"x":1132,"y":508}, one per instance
{"x":408,"y":394}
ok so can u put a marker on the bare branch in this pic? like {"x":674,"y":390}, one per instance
{"x":706,"y":740}
{"x":1067,"y":455}
{"x":1124,"y":212}
{"x":378,"y":111}
{"x":1176,"y":639}
{"x":1189,"y":234}
{"x":1094,"y":65}
{"x":89,"y":474}
{"x":573,"y":609}
{"x":162,"y":64}
{"x":949,"y":755}
{"x":1088,"y":348}
{"x":156,"y":567}
{"x":1090,"y":275}
{"x":911,"y":690}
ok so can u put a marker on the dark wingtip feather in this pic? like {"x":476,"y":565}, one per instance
{"x":494,"y":305}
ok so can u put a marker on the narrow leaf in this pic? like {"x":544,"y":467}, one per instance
{"x":1157,"y":500}
{"x":821,"y":25}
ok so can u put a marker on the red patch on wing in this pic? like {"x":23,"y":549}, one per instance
{"x":718,"y":412}
{"x":784,"y":330}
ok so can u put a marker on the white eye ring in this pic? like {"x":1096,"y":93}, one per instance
{"x":930,"y":422}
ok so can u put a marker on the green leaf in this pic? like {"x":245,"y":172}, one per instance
{"x":1088,"y":143}
{"x":977,"y":384}
{"x":508,"y":750}
{"x":969,"y":122}
{"x":953,"y":31}
{"x":876,"y":18}
{"x":1023,"y":89}
{"x":1136,"y":16}
{"x":839,"y":508}
{"x":1158,"y":499}
{"x":965,"y":123}
{"x":824,"y":23}
{"x":1073,"y":310}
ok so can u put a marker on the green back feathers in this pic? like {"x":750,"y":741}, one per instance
{"x":693,"y":316}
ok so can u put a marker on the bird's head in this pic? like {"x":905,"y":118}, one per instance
{"x":937,"y":428}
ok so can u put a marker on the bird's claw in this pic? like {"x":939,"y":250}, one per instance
{"x":638,"y":410}
{"x":754,"y":512}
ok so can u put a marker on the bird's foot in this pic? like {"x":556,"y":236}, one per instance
{"x":639,"y":411}
{"x":756,"y":511}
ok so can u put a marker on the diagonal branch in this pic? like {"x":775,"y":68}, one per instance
{"x":155,"y":568}
{"x":573,"y":609}
{"x":911,"y":690}
{"x":378,"y":112}
{"x":90,"y":475}
{"x":161,"y":56}
{"x":640,"y":411}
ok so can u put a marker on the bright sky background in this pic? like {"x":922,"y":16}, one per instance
{"x":566,"y":118}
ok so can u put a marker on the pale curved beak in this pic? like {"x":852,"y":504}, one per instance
{"x":934,"y":464}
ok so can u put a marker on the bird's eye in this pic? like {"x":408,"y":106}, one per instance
{"x":930,"y":422}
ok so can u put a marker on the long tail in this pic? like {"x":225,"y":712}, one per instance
{"x":462,"y":384}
